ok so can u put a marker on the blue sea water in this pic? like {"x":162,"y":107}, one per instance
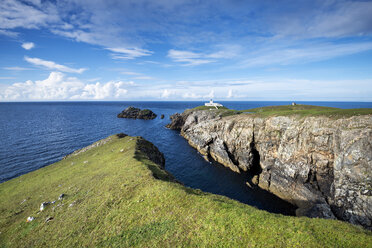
{"x":33,"y":135}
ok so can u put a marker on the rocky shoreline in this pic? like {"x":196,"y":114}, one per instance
{"x":318,"y":163}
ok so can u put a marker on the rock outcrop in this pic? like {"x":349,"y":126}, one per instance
{"x":150,"y":151}
{"x":322,"y":165}
{"x":136,"y":113}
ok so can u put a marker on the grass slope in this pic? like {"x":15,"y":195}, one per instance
{"x":118,"y":202}
{"x":309,"y":110}
{"x":286,"y":110}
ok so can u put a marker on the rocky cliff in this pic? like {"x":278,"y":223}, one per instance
{"x":321,"y":164}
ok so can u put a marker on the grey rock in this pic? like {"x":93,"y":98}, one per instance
{"x":320,"y":164}
{"x":136,"y":113}
{"x":30,"y":218}
{"x":321,"y":210}
{"x":44,"y":205}
{"x":48,"y":219}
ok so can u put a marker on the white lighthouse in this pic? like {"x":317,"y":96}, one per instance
{"x":213,"y":104}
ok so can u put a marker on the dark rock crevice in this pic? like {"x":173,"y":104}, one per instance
{"x":255,"y":158}
{"x":231,"y":156}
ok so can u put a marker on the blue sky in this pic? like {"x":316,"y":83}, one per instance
{"x":185,"y":50}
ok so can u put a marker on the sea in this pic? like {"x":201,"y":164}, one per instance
{"x":36,"y":134}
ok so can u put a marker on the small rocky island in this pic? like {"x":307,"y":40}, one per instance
{"x":136,"y":113}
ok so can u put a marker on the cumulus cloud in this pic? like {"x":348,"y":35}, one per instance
{"x":28,"y":45}
{"x":99,"y":91}
{"x":59,"y":87}
{"x":52,"y":65}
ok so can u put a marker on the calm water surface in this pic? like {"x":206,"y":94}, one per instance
{"x":33,"y":135}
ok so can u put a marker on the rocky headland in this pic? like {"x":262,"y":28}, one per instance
{"x":317,"y":158}
{"x":136,"y":113}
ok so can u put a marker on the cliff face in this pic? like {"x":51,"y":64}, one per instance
{"x":320,"y":164}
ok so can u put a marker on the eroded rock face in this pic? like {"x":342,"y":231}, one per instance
{"x":136,"y":113}
{"x":150,"y":151}
{"x":322,"y":165}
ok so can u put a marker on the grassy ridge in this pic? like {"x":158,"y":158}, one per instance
{"x":113,"y":199}
{"x":286,"y":110}
{"x":309,"y":110}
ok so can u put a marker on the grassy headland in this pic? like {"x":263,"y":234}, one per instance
{"x":287,"y":110}
{"x":116,"y":197}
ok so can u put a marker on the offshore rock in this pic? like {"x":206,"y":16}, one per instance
{"x":321,"y":165}
{"x":136,"y":113}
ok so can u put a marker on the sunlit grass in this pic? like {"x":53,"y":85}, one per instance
{"x":287,"y":110}
{"x":118,"y":202}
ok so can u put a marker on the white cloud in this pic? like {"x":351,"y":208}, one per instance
{"x":325,"y":19}
{"x":28,"y":45}
{"x":187,"y":57}
{"x":131,"y":73}
{"x":59,"y":87}
{"x":229,"y":94}
{"x":16,"y":68}
{"x":129,"y":53}
{"x":210,"y":95}
{"x":53,"y":66}
{"x":192,"y":58}
{"x":102,"y":91}
{"x":166,"y":93}
{"x":304,"y":54}
{"x":15,"y":14}
{"x":144,"y":78}
{"x":191,"y":95}
{"x":7,"y":77}
{"x":8,"y":33}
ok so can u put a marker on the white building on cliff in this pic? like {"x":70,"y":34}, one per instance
{"x":213,"y":104}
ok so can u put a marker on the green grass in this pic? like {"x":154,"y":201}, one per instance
{"x":308,"y":110}
{"x":221,"y":111}
{"x":287,"y":110}
{"x":119,"y":202}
